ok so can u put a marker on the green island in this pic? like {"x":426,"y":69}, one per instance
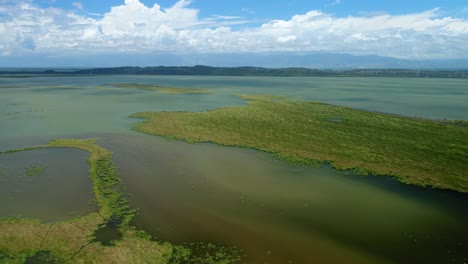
{"x":78,"y":240}
{"x":162,"y":89}
{"x":413,"y":150}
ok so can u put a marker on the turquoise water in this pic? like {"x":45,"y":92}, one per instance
{"x":72,"y":105}
{"x":275,"y":212}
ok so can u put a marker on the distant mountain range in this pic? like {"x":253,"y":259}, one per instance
{"x":242,"y":71}
{"x":311,"y":60}
{"x":267,"y":60}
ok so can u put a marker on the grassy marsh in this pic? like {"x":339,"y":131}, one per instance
{"x":413,"y":150}
{"x":73,"y":241}
{"x":163,"y":89}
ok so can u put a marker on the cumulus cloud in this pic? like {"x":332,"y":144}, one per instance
{"x":135,"y":27}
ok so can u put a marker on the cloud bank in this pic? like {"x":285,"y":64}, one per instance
{"x":135,"y":28}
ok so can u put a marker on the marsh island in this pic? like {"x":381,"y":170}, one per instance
{"x":413,"y":150}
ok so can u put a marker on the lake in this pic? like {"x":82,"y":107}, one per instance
{"x":274,"y":212}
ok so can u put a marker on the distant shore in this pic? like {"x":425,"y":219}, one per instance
{"x":239,"y":71}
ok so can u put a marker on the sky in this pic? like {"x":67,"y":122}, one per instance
{"x":416,"y":30}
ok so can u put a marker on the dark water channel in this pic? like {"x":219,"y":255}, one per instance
{"x":285,"y":214}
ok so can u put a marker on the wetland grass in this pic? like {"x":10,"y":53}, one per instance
{"x":162,"y":89}
{"x":78,"y":240}
{"x":413,"y":150}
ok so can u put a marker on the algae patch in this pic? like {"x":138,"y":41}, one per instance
{"x":34,"y":169}
{"x":163,"y":89}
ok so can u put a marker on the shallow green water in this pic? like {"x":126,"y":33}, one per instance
{"x":276,"y":213}
{"x":73,"y":105}
{"x":61,"y":188}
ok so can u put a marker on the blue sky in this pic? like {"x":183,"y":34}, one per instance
{"x":271,"y":9}
{"x":418,"y":30}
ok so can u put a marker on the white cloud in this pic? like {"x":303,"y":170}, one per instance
{"x":134,"y":27}
{"x":225,"y":17}
{"x":78,"y":5}
{"x":248,"y":10}
{"x":334,"y":3}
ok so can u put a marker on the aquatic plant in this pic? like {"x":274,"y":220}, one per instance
{"x":162,"y":89}
{"x":34,"y":170}
{"x":413,"y":150}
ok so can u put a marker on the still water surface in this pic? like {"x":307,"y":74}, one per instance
{"x":61,"y":188}
{"x":285,"y":214}
{"x":72,"y":105}
{"x":275,"y":212}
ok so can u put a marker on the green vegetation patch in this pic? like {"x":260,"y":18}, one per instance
{"x":414,"y":150}
{"x":163,"y":89}
{"x":74,"y":241}
{"x":34,"y":170}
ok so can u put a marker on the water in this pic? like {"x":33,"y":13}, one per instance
{"x":107,"y":235}
{"x":279,"y":213}
{"x":41,"y":257}
{"x":74,"y":105}
{"x":275,"y":212}
{"x":61,"y":188}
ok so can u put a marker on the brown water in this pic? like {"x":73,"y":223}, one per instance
{"x":60,"y":191}
{"x":285,"y":214}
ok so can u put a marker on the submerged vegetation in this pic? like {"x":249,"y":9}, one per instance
{"x":34,"y":170}
{"x":415,"y":151}
{"x":162,"y":89}
{"x":78,"y":240}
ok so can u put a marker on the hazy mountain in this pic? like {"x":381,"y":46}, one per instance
{"x":275,"y":60}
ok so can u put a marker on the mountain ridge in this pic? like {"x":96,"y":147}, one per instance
{"x":204,"y":70}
